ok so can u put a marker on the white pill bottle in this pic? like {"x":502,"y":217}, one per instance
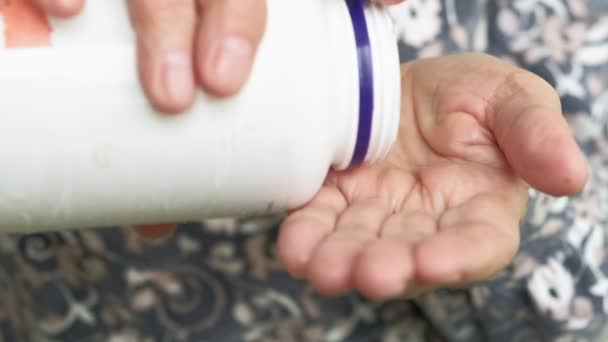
{"x":81,"y":147}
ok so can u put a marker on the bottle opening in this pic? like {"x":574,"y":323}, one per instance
{"x":356,"y":9}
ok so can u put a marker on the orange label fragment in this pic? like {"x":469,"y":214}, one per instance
{"x":25,"y":25}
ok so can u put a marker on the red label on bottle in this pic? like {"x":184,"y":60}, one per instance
{"x":25,"y":25}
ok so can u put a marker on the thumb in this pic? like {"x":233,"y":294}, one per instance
{"x":527,"y":121}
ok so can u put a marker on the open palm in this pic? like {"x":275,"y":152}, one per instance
{"x":444,"y":208}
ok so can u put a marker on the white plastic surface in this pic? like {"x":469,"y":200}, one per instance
{"x":81,"y":147}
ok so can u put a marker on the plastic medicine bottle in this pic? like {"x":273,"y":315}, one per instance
{"x":81,"y":147}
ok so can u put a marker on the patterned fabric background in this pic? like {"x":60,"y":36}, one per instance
{"x":220,"y":280}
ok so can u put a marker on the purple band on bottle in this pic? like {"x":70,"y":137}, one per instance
{"x":366,"y":80}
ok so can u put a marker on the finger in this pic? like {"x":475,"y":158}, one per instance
{"x":474,"y":242}
{"x":227,"y":38}
{"x":386,"y":267}
{"x":527,"y":121}
{"x":61,"y":8}
{"x":155,"y":232}
{"x":520,"y":111}
{"x":304,"y":229}
{"x":165,"y":35}
{"x":330,"y":270}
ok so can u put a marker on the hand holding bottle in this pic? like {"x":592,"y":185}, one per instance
{"x":185,"y":44}
{"x":444,"y":209}
{"x":188,"y":44}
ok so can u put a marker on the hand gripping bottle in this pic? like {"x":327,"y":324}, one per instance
{"x":81,"y":147}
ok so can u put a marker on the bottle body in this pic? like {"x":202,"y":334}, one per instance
{"x":81,"y":147}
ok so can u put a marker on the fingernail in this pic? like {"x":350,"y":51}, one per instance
{"x":233,"y":61}
{"x":178,"y":78}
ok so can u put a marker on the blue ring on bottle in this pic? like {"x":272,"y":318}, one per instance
{"x":356,"y":8}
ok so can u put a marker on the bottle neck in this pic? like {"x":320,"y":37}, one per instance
{"x":368,"y":106}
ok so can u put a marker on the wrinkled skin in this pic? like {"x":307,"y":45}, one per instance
{"x":442,"y":211}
